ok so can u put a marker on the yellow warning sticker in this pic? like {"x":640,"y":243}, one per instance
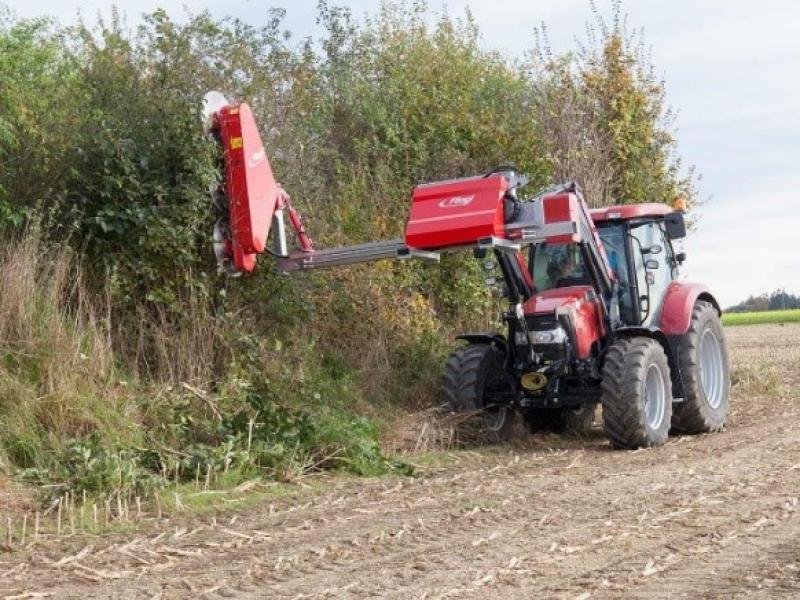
{"x":236,"y":142}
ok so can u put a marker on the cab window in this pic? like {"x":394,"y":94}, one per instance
{"x":558,"y":265}
{"x":615,"y":244}
{"x":652,"y":254}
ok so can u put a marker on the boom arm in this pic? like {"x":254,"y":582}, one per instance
{"x":475,"y":212}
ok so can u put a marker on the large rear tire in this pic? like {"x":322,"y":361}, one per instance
{"x":637,"y":393}
{"x":473,"y":374}
{"x":705,"y":370}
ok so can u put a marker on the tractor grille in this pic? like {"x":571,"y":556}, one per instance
{"x":549,"y":352}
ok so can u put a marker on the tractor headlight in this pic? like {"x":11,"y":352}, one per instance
{"x":549,"y":336}
{"x":546,"y":336}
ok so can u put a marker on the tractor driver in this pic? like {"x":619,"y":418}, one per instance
{"x":558,"y":265}
{"x":567,"y":267}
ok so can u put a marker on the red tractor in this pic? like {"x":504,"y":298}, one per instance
{"x":596,"y":311}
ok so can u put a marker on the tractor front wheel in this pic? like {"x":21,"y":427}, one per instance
{"x":637,"y":393}
{"x":705,"y":369}
{"x":475,"y":380}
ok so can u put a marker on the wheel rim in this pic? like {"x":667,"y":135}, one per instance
{"x":711,"y":372}
{"x":495,"y":417}
{"x":495,"y":413}
{"x":654,"y":396}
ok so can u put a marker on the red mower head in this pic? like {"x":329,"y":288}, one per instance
{"x":250,"y":194}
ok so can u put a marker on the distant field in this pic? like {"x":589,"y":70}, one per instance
{"x":766,"y":316}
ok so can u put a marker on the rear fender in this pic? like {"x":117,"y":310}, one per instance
{"x":670,"y":345}
{"x":679,"y":300}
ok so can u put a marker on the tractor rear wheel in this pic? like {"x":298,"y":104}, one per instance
{"x":474,"y":376}
{"x":637,"y":393}
{"x":705,"y":370}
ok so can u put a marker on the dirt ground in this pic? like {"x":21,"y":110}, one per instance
{"x":713,"y":516}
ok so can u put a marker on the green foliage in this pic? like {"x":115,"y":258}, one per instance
{"x":760,"y":317}
{"x":140,"y":182}
{"x":630,"y":103}
{"x":37,"y":100}
{"x":604,"y":113}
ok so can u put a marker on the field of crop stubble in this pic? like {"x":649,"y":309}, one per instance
{"x":712,"y":516}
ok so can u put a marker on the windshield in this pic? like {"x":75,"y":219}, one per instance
{"x":558,"y":265}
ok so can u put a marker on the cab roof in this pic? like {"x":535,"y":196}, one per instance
{"x":626,"y":212}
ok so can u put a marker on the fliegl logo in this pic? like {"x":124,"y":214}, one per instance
{"x":256,"y":158}
{"x":456,"y":201}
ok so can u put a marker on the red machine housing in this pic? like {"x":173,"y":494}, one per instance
{"x":627,"y":212}
{"x":457,"y":212}
{"x":581,"y":303}
{"x":562,"y":208}
{"x":250,"y":186}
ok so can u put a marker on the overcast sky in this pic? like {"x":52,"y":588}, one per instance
{"x":732,"y":69}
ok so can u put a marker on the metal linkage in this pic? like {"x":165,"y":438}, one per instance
{"x":374,"y":251}
{"x":350,"y":255}
{"x":496,"y":243}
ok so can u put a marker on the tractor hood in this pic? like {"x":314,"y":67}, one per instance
{"x":551,"y":300}
{"x":582,"y":306}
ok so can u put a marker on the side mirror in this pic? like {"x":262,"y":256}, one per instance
{"x":675,"y":225}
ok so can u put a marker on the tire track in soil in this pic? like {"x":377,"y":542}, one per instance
{"x":705,"y":516}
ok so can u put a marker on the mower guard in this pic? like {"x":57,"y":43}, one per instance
{"x":250,"y":187}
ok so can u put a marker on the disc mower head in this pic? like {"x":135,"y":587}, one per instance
{"x":247,"y":197}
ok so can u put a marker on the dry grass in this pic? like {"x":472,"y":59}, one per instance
{"x":57,"y":375}
{"x":765,"y":359}
{"x":174,"y":348}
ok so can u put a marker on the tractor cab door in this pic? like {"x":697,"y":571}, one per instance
{"x":616,"y":242}
{"x":652,"y":266}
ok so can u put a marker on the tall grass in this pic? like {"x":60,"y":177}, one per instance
{"x":58,"y":379}
{"x":113,"y":408}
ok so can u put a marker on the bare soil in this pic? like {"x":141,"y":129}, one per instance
{"x":711,"y":516}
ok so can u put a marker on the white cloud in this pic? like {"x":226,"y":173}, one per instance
{"x":748,"y":245}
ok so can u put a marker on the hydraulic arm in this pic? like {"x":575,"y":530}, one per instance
{"x":481,"y":213}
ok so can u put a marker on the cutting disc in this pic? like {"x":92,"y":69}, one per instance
{"x":212,"y":102}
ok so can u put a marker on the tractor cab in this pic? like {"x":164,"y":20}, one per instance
{"x":637,"y":240}
{"x":638,"y":243}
